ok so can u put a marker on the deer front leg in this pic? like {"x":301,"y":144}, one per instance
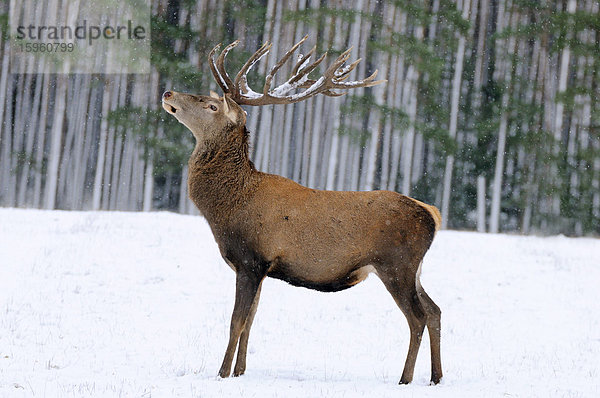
{"x":246,"y":289}
{"x":240,"y":362}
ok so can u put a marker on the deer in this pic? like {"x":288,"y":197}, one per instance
{"x":266,"y":225}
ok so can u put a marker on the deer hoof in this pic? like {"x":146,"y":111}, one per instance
{"x":224,"y":373}
{"x":237,"y":373}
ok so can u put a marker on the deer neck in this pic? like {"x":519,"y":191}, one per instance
{"x":221,"y":175}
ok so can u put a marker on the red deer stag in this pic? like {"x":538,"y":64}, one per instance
{"x":267,"y":225}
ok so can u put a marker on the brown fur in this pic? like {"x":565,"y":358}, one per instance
{"x":267,"y":225}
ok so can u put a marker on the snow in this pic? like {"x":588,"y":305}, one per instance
{"x":308,"y":91}
{"x":247,"y":91}
{"x":304,"y":64}
{"x":215,"y":69}
{"x":105,"y":304}
{"x":342,"y":71}
{"x":244,"y":87}
{"x":283,"y":89}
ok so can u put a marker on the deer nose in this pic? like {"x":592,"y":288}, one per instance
{"x":167,"y":95}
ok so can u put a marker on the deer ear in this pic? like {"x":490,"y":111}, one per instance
{"x":229,"y":109}
{"x":226,"y":108}
{"x":214,"y":95}
{"x":233,"y":111}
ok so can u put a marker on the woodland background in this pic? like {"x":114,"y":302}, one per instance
{"x":490,"y":111}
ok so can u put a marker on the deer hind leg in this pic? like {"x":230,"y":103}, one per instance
{"x":240,"y":362}
{"x":403,"y":290}
{"x":246,"y":289}
{"x":434,"y":327}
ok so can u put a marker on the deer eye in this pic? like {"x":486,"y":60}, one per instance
{"x":213,"y":108}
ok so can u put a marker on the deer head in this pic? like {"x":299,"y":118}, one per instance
{"x":205,"y":116}
{"x":211,"y":117}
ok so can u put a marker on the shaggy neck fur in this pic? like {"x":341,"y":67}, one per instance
{"x":221,"y":174}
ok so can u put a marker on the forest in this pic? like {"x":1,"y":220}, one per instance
{"x":490,"y":110}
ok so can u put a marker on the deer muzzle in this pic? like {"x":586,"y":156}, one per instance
{"x":167,"y":104}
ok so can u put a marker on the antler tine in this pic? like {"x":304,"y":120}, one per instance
{"x":337,"y":64}
{"x":303,"y":60}
{"x":343,"y":73}
{"x":306,"y":70}
{"x":279,"y":64}
{"x":241,"y":76}
{"x":367,"y":82}
{"x":213,"y":68}
{"x":220,"y":64}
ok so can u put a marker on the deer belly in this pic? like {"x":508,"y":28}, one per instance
{"x":332,"y":281}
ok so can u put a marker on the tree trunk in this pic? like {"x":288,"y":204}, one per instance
{"x":454,"y":102}
{"x":502,"y":131}
{"x":56,"y":136}
{"x":481,"y":204}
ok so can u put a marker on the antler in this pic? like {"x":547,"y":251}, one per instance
{"x":333,"y":78}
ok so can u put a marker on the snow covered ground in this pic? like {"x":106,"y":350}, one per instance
{"x":138,"y":305}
